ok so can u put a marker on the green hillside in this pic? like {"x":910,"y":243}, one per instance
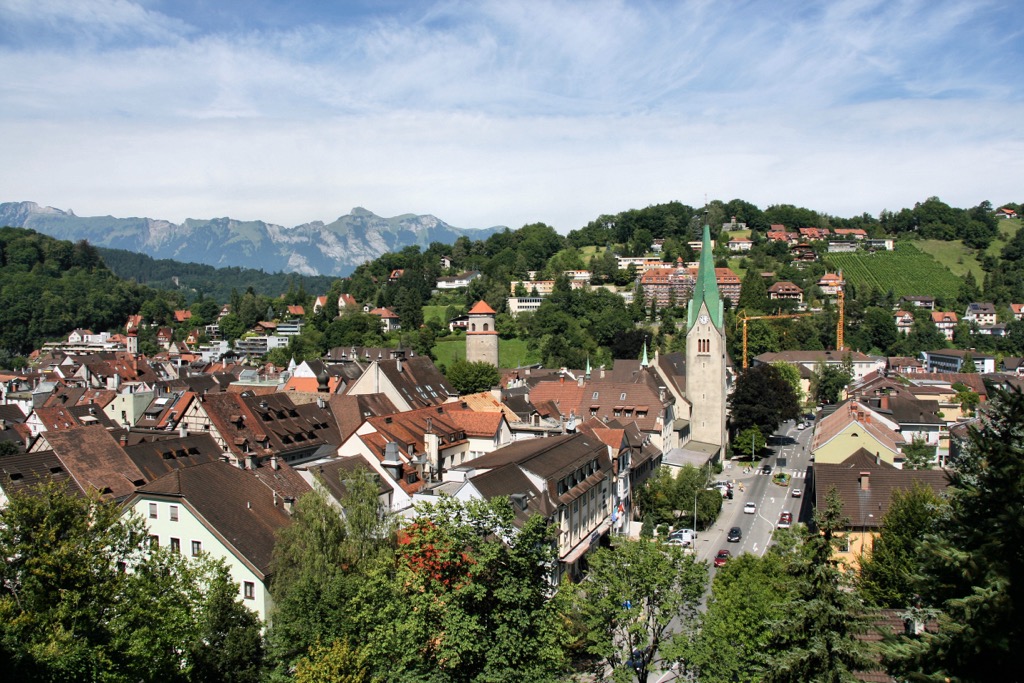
{"x":960,"y":259}
{"x":905,"y":271}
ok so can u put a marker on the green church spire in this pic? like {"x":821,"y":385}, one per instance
{"x":706,"y":289}
{"x":644,"y":362}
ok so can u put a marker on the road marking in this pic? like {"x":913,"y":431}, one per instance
{"x":754,"y":549}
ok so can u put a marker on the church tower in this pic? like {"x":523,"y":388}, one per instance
{"x":481,"y":337}
{"x":705,"y":353}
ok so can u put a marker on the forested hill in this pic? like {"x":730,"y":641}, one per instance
{"x":195,"y":279}
{"x":49,"y":287}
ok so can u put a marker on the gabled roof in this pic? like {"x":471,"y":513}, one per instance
{"x":96,"y":461}
{"x":866,"y":503}
{"x":232,"y":503}
{"x":854,"y":412}
{"x":23,"y":471}
{"x":350,"y":411}
{"x":418,"y":381}
{"x":156,"y":458}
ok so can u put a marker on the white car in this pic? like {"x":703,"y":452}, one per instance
{"x":750,"y":509}
{"x":801,"y":426}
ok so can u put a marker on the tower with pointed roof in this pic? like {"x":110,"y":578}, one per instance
{"x":706,"y":384}
{"x":481,"y":337}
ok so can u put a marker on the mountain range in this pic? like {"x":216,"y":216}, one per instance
{"x":315,"y":248}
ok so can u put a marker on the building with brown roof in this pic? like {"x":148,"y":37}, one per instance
{"x":221,"y":510}
{"x":567,"y":479}
{"x":408,"y":382}
{"x":94,"y":459}
{"x":865,"y":484}
{"x":416,"y":447}
{"x":855,"y":426}
{"x":785,"y":290}
{"x":253,"y":428}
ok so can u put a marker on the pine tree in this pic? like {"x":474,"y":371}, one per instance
{"x":973,"y":563}
{"x":816,"y":638}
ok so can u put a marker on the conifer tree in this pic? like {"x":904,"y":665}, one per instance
{"x":973,"y":563}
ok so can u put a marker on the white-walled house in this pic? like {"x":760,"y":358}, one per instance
{"x":219,"y":509}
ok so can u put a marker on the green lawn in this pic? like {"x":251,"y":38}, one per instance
{"x":436,"y":312}
{"x":511,"y":352}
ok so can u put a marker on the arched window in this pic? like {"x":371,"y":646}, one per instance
{"x":485,"y":327}
{"x":472,"y":327}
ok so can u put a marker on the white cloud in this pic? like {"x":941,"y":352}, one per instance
{"x":507,"y":113}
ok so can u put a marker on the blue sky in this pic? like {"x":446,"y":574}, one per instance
{"x":504,"y":113}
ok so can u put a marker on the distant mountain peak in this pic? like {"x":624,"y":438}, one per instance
{"x":313,"y":248}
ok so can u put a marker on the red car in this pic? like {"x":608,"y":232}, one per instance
{"x":722,"y":557}
{"x":785,"y":520}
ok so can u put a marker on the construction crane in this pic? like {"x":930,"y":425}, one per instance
{"x":839,"y":324}
{"x":777,"y":316}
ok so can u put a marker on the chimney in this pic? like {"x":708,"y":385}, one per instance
{"x":274,"y":464}
{"x":182,"y":429}
{"x":884,"y":402}
{"x":865,"y":481}
{"x":289,"y":505}
{"x":124,"y":439}
{"x":431,"y":445}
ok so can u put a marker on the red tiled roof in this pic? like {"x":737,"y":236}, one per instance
{"x":481,"y":308}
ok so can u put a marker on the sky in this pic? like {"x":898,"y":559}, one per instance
{"x":496,"y":112}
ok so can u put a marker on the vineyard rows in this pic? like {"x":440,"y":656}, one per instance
{"x":906,"y":272}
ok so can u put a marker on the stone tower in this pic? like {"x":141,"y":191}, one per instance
{"x":481,"y":337}
{"x":705,"y":354}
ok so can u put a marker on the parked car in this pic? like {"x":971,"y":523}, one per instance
{"x":679,"y":542}
{"x":750,"y":509}
{"x":722,"y":557}
{"x":735,"y":534}
{"x":785,"y":520}
{"x":801,"y":426}
{"x":797,"y":493}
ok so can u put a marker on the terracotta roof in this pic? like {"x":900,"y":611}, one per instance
{"x":481,"y":308}
{"x":853,"y":412}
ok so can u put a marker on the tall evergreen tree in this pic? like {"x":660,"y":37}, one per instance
{"x":973,"y":564}
{"x":817,"y":637}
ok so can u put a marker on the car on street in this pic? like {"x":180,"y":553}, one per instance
{"x":766,"y":469}
{"x":735,"y":534}
{"x":749,"y":509}
{"x":722,"y":557}
{"x":679,"y":542}
{"x":785,"y":520}
{"x":797,"y":493}
{"x":801,"y":426}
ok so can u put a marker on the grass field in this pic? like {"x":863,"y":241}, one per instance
{"x":511,"y":352}
{"x":436,"y":312}
{"x":906,"y":271}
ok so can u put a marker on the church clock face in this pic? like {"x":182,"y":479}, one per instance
{"x":703,"y":319}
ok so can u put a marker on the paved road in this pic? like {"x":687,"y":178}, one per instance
{"x":790,"y":444}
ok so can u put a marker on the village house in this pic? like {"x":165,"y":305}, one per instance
{"x":786,"y":291}
{"x":865,"y":484}
{"x":945,"y":322}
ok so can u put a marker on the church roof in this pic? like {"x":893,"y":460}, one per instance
{"x":706,"y":289}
